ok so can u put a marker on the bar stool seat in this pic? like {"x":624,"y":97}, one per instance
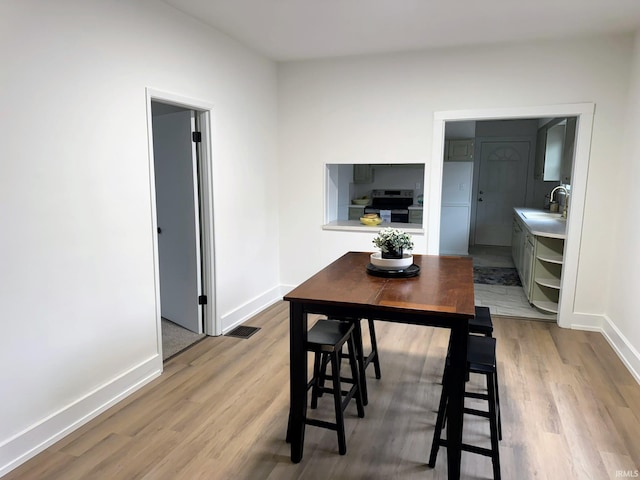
{"x":326,"y":339}
{"x":481,"y":323}
{"x":481,"y":359}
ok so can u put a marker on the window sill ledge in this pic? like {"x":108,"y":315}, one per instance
{"x":356,"y":226}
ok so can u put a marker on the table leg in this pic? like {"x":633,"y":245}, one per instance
{"x":357,"y":337}
{"x":457,"y":377}
{"x":297,"y":379}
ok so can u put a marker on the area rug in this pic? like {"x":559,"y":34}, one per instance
{"x":496,"y":276}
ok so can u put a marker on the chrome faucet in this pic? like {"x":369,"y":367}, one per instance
{"x":566,"y":198}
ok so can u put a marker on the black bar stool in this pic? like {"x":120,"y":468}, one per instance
{"x":326,"y":339}
{"x":481,"y":359}
{"x":481,"y":324}
{"x":363,"y":360}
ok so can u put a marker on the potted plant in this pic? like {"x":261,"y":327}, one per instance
{"x":392,"y":242}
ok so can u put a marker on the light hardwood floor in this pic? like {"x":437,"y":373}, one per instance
{"x":219,"y":411}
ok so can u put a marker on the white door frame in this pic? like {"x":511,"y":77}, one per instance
{"x":580,"y":170}
{"x":204,"y":114}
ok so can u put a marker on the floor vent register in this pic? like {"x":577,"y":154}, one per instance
{"x":242,"y":332}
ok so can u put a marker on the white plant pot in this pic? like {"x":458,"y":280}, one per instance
{"x":391,"y":263}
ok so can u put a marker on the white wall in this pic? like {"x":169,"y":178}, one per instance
{"x":380,"y":108}
{"x":623,"y":199}
{"x":77,"y":297}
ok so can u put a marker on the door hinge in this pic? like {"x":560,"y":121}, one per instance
{"x":202,"y":300}
{"x":197,"y":137}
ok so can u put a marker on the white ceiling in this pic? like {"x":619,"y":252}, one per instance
{"x":302,"y":29}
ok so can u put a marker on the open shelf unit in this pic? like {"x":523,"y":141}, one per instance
{"x":547,"y":273}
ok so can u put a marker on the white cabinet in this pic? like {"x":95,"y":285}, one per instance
{"x":568,"y":151}
{"x":547,"y":272}
{"x":454,"y":230}
{"x":523,"y":245}
{"x":517,"y":243}
{"x":555,"y":148}
{"x":362,"y":173}
{"x":415,"y":215}
{"x":528,"y":254}
{"x":459,"y":150}
{"x":455,"y":215}
{"x":356,"y":211}
{"x":538,"y":260}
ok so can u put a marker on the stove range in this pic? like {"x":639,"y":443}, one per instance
{"x":396,"y":201}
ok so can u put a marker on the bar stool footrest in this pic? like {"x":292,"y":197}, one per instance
{"x":465,"y":447}
{"x":321,"y":423}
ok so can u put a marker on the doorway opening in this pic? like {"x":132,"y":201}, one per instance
{"x":584,"y":119}
{"x":181,"y":188}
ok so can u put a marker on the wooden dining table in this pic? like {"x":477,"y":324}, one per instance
{"x":440,"y":296}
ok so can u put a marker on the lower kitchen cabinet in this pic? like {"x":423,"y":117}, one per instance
{"x":539,"y":261}
{"x":356,"y":211}
{"x":528,"y":254}
{"x":415,"y":215}
{"x":547,"y":271}
{"x":517,"y":234}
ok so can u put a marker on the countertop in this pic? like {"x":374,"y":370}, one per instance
{"x":543,"y":223}
{"x":410,"y":207}
{"x":356,"y":226}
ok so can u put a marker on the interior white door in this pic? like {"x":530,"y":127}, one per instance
{"x":177,"y":205}
{"x":501,"y":186}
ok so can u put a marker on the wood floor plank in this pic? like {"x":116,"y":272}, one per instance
{"x":570,"y":410}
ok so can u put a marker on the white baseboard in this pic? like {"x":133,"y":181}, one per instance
{"x":619,"y":343}
{"x":623,"y":348}
{"x":249,"y":309}
{"x":28,"y":443}
{"x":284,"y":289}
{"x":586,"y":321}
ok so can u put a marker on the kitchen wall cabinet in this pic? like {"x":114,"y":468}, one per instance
{"x":363,"y":173}
{"x":550,"y":144}
{"x":555,"y":150}
{"x":459,"y":150}
{"x":569,"y":150}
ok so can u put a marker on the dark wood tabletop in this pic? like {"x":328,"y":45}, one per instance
{"x":441,"y":295}
{"x":444,"y":286}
